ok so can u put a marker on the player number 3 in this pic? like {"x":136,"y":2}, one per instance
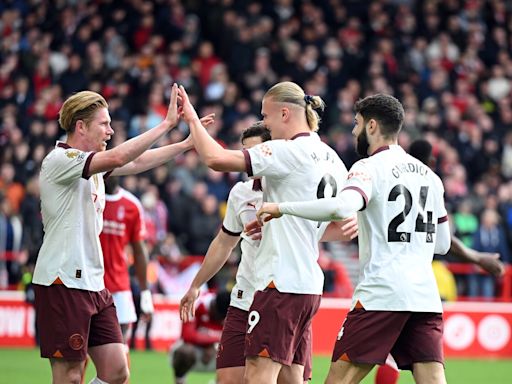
{"x":254,"y":318}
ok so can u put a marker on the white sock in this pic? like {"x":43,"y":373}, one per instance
{"x":97,"y":381}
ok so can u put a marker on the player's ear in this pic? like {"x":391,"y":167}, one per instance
{"x":79,"y":126}
{"x":372,"y":126}
{"x":285,"y":113}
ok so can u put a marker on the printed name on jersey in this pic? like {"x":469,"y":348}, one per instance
{"x":398,"y":169}
{"x":325,"y":157}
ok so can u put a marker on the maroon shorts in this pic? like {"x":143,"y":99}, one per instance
{"x":231,"y":347}
{"x":308,"y":365}
{"x":278,"y":326}
{"x":232,"y":342}
{"x":367,"y":337}
{"x":71,"y":320}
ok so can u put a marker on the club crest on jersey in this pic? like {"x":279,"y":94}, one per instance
{"x":120,"y":213}
{"x":265,"y":150}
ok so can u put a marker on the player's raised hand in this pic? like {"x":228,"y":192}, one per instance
{"x":253,"y":229}
{"x":491,"y":263}
{"x":267,"y":212}
{"x":173,"y":113}
{"x":187,"y":304}
{"x":189,"y":113}
{"x":349,"y":228}
{"x":207,"y":120}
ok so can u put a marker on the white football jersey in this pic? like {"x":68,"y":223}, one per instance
{"x":243,"y":202}
{"x":72,"y":210}
{"x":303,"y":168}
{"x":404,"y":202}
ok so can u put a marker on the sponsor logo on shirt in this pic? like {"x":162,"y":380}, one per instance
{"x":71,"y":153}
{"x":360,"y":175}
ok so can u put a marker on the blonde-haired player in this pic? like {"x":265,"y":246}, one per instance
{"x":296,"y":165}
{"x":76,"y":315}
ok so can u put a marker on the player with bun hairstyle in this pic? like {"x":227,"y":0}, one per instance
{"x":296,"y":165}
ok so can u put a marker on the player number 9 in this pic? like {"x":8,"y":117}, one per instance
{"x":254,"y":318}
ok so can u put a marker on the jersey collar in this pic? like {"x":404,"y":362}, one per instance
{"x":380,"y":149}
{"x":300,"y":135}
{"x":386,"y":147}
{"x":61,"y":144}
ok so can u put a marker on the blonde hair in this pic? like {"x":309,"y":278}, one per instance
{"x":288,"y":92}
{"x":80,"y":106}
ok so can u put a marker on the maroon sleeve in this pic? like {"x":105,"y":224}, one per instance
{"x":228,"y":232}
{"x":85,"y":172}
{"x":365,"y":198}
{"x":248,"y":164}
{"x":442,"y":219}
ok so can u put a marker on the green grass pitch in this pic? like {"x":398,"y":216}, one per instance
{"x":24,"y":366}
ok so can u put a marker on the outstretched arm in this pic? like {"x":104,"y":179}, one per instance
{"x":133,"y":148}
{"x":216,"y":256}
{"x":155,"y":157}
{"x":489,"y":262}
{"x":345,"y":205}
{"x":211,"y":152}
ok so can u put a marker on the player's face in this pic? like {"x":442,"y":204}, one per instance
{"x":99,"y":131}
{"x":359,"y":132}
{"x":251,"y":142}
{"x":273,"y":118}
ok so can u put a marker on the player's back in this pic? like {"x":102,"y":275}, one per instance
{"x":397,"y":232}
{"x":304,"y":168}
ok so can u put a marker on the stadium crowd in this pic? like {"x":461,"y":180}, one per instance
{"x":449,"y":62}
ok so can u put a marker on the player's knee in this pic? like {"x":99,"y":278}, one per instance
{"x":74,"y":376}
{"x":183,"y":359}
{"x":119,"y":376}
{"x":67,"y":373}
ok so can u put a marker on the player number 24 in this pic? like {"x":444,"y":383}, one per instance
{"x":421,"y":225}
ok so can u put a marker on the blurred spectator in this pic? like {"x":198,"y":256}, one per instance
{"x":203,"y":226}
{"x":174,"y":272}
{"x":32,"y":221}
{"x":449,"y":62}
{"x":490,"y":237}
{"x":155,"y":215}
{"x":11,"y":240}
{"x":466,"y":223}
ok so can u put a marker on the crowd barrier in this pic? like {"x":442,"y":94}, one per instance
{"x":472,"y":329}
{"x":504,"y":283}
